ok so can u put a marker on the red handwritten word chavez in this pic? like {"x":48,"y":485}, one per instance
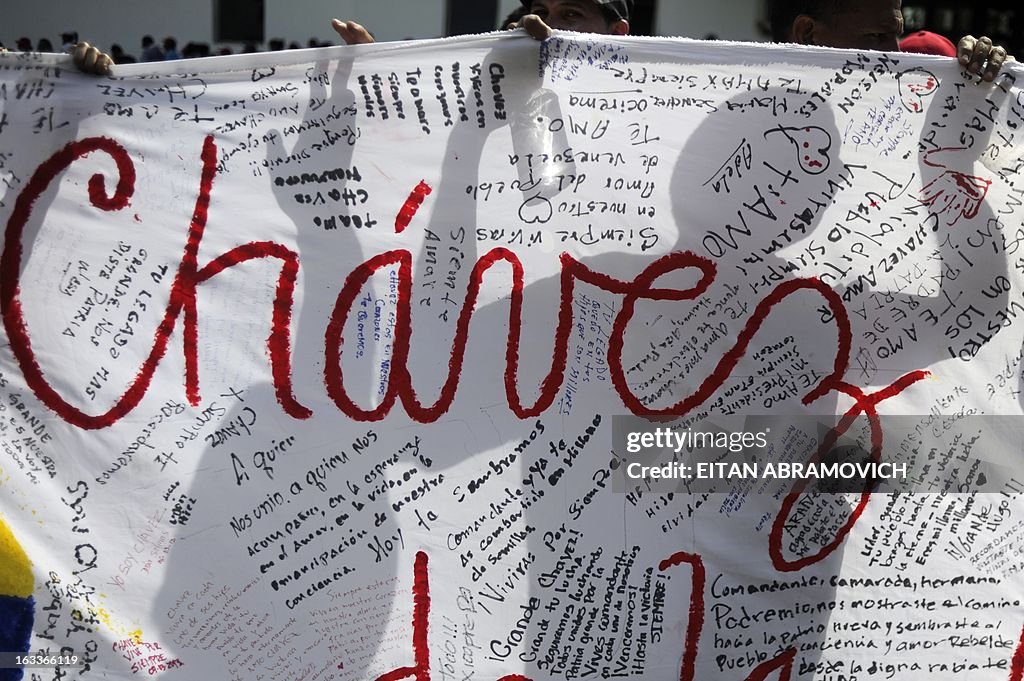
{"x":189,"y":276}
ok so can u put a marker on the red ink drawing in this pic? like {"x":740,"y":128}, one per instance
{"x":695,"y":624}
{"x":914,"y":85}
{"x":864,"y":404}
{"x":412,"y":204}
{"x":420,"y":671}
{"x":1017,"y":665}
{"x":420,"y":626}
{"x":183,"y":292}
{"x":190,"y":275}
{"x":952,"y":193}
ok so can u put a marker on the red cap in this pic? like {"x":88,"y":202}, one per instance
{"x":926,"y":42}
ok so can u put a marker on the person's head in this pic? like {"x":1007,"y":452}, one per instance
{"x":24,"y":44}
{"x":69,"y":37}
{"x":854,"y":24}
{"x":44,"y":45}
{"x":610,"y":17}
{"x":147,"y":40}
{"x":170,"y":44}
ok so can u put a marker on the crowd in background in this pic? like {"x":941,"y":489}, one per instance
{"x":166,"y":50}
{"x":151,"y":51}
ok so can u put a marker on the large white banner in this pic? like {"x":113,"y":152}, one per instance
{"x":372,"y":364}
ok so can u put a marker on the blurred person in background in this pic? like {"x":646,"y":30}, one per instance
{"x":150,"y":50}
{"x":171,"y":49}
{"x":68,"y":40}
{"x":119,"y":56}
{"x":868,"y":25}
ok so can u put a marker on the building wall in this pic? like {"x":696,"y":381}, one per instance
{"x":729,"y":19}
{"x":104,"y":22}
{"x":387,"y":19}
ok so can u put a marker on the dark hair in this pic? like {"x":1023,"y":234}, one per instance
{"x":610,"y":17}
{"x":781,"y":14}
{"x":147,"y":40}
{"x":616,"y":10}
{"x":170,"y":43}
{"x":44,"y":45}
{"x":513,"y":17}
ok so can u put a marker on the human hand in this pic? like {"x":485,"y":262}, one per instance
{"x":351,"y":32}
{"x":980,"y":57}
{"x":535,"y":27}
{"x":90,"y":59}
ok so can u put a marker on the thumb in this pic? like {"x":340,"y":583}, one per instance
{"x":536,"y":27}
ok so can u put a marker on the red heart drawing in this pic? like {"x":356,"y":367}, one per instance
{"x":914,"y":85}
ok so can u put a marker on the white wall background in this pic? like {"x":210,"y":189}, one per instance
{"x":729,"y":19}
{"x":104,"y":22}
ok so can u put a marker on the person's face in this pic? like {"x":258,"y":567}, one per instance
{"x":583,"y":16}
{"x":860,"y":25}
